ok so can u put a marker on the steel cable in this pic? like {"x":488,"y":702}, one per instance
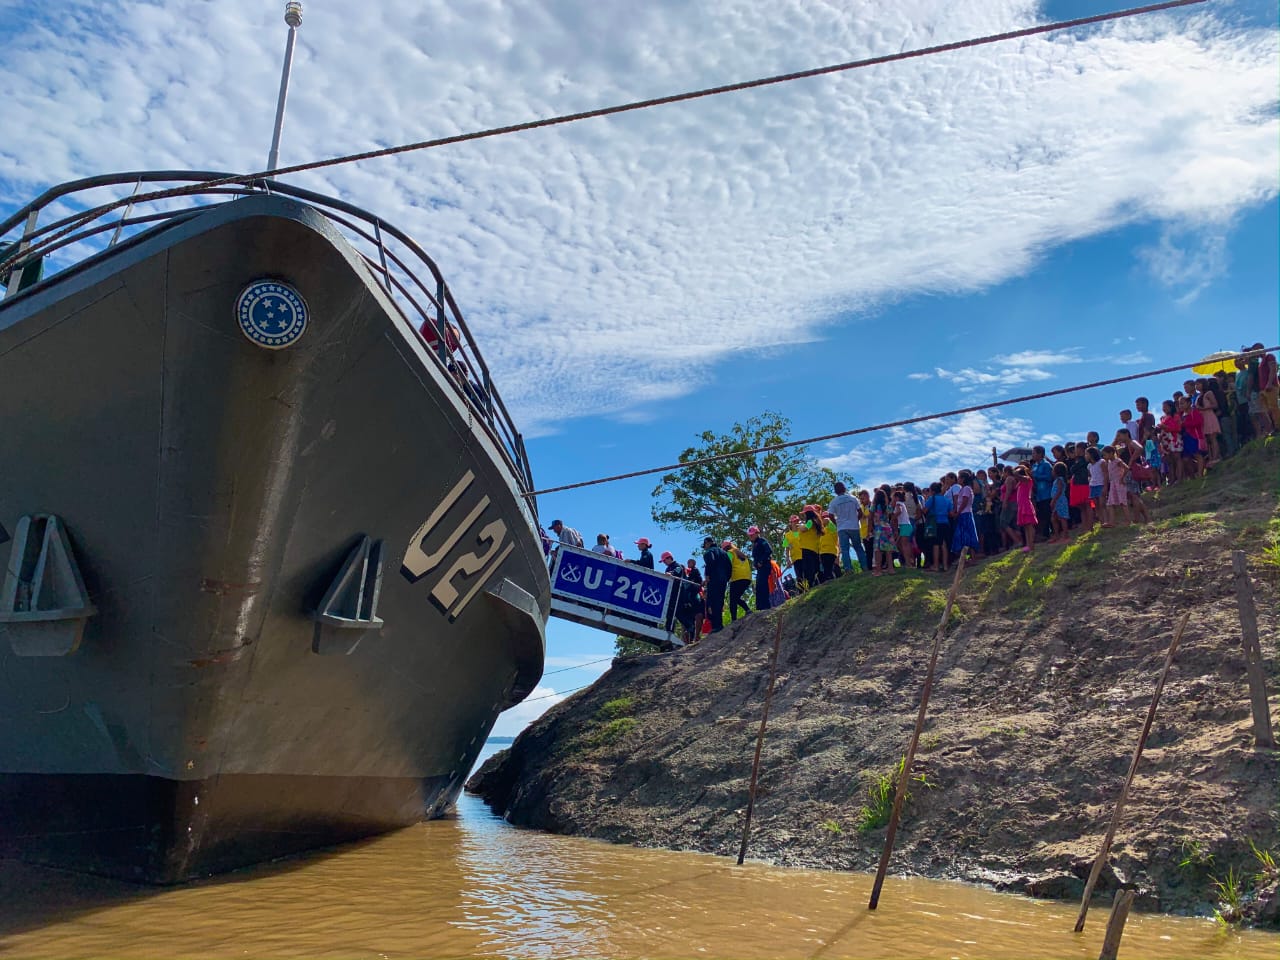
{"x":907,"y":421}
{"x":736,"y":87}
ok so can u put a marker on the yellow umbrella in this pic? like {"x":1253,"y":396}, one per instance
{"x":1222,"y":360}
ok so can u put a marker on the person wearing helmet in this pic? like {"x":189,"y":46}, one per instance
{"x":646,"y":558}
{"x":762,"y":560}
{"x":739,"y":580}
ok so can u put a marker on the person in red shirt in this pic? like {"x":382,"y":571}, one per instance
{"x":1269,"y":387}
{"x":1192,"y":437}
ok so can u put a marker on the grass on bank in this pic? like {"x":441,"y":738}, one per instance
{"x":880,"y":792}
{"x":1240,"y":497}
{"x":614,"y":721}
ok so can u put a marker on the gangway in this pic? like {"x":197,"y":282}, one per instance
{"x":614,"y":595}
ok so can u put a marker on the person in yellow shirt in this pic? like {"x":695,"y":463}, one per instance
{"x":810,"y":540}
{"x":791,"y":540}
{"x":864,"y":524}
{"x":828,"y":549}
{"x":739,"y":580}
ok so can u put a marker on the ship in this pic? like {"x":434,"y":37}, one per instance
{"x":272,"y":563}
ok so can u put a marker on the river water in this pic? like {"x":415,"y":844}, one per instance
{"x":473,"y":886}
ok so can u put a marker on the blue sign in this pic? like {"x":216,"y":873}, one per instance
{"x":271,"y":314}
{"x":599,"y":581}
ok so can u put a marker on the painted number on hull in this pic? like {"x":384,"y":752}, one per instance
{"x":489,"y":548}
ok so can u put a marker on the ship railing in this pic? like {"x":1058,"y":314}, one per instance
{"x":31,"y":255}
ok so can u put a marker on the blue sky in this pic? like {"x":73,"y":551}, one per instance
{"x":944,"y":231}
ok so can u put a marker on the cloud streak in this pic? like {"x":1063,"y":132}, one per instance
{"x":620,"y":259}
{"x":922,"y":452}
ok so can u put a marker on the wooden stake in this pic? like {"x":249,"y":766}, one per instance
{"x":905,"y":775}
{"x":1128,"y":780}
{"x":1115,"y":926}
{"x":755,"y":763}
{"x":1262,"y":733}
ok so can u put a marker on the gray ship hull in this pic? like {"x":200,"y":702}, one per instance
{"x":211,"y":491}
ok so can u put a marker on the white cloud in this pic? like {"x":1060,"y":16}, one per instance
{"x":1126,"y":359}
{"x":616,"y":259}
{"x":512,"y":721}
{"x":1038,"y":358}
{"x":919,"y":376}
{"x":1186,"y":261}
{"x":923,"y":452}
{"x":996,"y":382}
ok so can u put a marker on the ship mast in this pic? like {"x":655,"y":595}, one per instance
{"x":293,"y":17}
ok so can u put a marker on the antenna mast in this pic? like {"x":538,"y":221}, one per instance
{"x":293,"y":17}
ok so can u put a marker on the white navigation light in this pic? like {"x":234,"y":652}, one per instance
{"x":293,"y":13}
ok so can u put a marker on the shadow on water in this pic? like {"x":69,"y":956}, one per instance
{"x":472,"y":885}
{"x":36,"y":896}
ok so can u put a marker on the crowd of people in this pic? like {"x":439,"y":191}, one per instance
{"x":1045,"y":497}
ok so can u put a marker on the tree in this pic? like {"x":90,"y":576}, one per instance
{"x":722,"y":499}
{"x":630,"y":647}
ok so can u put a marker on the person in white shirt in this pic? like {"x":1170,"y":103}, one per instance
{"x":602,"y":545}
{"x":847,"y":512}
{"x":1130,"y":424}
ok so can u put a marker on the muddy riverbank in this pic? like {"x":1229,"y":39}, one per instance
{"x":1043,"y":684}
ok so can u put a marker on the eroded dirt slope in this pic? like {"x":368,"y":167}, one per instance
{"x":1043,"y":683}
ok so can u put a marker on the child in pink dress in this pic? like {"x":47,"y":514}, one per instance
{"x":1026,"y":509}
{"x":1116,"y":494}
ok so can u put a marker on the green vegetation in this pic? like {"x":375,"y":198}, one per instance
{"x":615,"y":722}
{"x":629,"y":647}
{"x":1268,"y":872}
{"x":1194,"y":856}
{"x":616,"y":708}
{"x":612,"y":731}
{"x":880,"y":793}
{"x":831,"y":827}
{"x":725,"y":497}
{"x":1230,"y":897}
{"x":1185,"y":520}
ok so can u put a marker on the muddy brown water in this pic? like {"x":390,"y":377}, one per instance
{"x":472,"y":886}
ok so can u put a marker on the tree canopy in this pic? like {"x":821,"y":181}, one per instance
{"x":722,"y":499}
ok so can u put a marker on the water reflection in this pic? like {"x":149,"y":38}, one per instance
{"x":473,"y":886}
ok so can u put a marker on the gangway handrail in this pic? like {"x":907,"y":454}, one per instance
{"x":440,"y":309}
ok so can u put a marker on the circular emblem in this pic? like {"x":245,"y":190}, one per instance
{"x":271,"y":314}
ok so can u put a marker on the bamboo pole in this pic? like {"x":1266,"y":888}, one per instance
{"x":1128,"y":780}
{"x":1115,"y":926}
{"x":905,"y":775}
{"x":1262,"y":733}
{"x":755,"y":763}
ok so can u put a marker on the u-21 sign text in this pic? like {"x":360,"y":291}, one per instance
{"x":601,"y":581}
